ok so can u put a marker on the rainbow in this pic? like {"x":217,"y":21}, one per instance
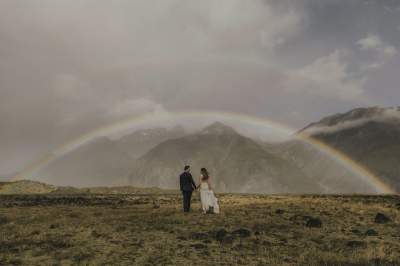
{"x":153,"y":119}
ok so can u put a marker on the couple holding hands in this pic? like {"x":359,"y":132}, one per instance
{"x":209,"y":203}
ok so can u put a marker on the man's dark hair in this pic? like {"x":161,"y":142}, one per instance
{"x":187,"y":167}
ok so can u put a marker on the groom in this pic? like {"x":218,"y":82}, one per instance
{"x":187,"y":187}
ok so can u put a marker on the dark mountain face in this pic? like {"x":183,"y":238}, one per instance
{"x":236,"y":164}
{"x":374,"y":142}
{"x":354,"y":118}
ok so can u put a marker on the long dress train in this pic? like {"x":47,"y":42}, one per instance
{"x":208,"y":198}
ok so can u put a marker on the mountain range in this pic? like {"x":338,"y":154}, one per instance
{"x":240,"y":164}
{"x":243,"y":165}
{"x":155,"y":157}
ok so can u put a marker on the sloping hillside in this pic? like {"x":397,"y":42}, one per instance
{"x":371,"y":136}
{"x":237,"y":164}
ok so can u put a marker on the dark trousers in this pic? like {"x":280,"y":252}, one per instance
{"x":187,"y":196}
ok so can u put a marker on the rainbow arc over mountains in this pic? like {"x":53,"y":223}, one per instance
{"x":138,"y":121}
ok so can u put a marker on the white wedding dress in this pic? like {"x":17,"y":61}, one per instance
{"x":208,"y":198}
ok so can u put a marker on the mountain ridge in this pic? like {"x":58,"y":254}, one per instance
{"x":374,"y":143}
{"x":232,"y":158}
{"x":357,"y":116}
{"x":239,"y":164}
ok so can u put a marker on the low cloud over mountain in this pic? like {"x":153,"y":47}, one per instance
{"x":371,"y":136}
{"x":353,"y":119}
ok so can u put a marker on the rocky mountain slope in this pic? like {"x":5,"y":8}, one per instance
{"x":371,"y":136}
{"x":321,"y":167}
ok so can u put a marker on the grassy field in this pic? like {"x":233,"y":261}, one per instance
{"x":152,"y":230}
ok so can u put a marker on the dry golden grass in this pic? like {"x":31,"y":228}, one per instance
{"x":152,"y":230}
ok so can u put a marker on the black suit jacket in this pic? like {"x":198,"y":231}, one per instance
{"x":187,"y":183}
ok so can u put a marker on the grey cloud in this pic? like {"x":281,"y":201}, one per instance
{"x":387,"y":116}
{"x":67,"y":67}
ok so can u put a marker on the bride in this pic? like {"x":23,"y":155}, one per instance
{"x":208,"y":199}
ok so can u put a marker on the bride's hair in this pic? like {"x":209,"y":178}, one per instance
{"x":204,"y":172}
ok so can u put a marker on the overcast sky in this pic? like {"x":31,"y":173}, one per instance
{"x":67,"y":67}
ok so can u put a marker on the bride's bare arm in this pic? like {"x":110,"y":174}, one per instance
{"x":199,"y":182}
{"x":209,"y":184}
